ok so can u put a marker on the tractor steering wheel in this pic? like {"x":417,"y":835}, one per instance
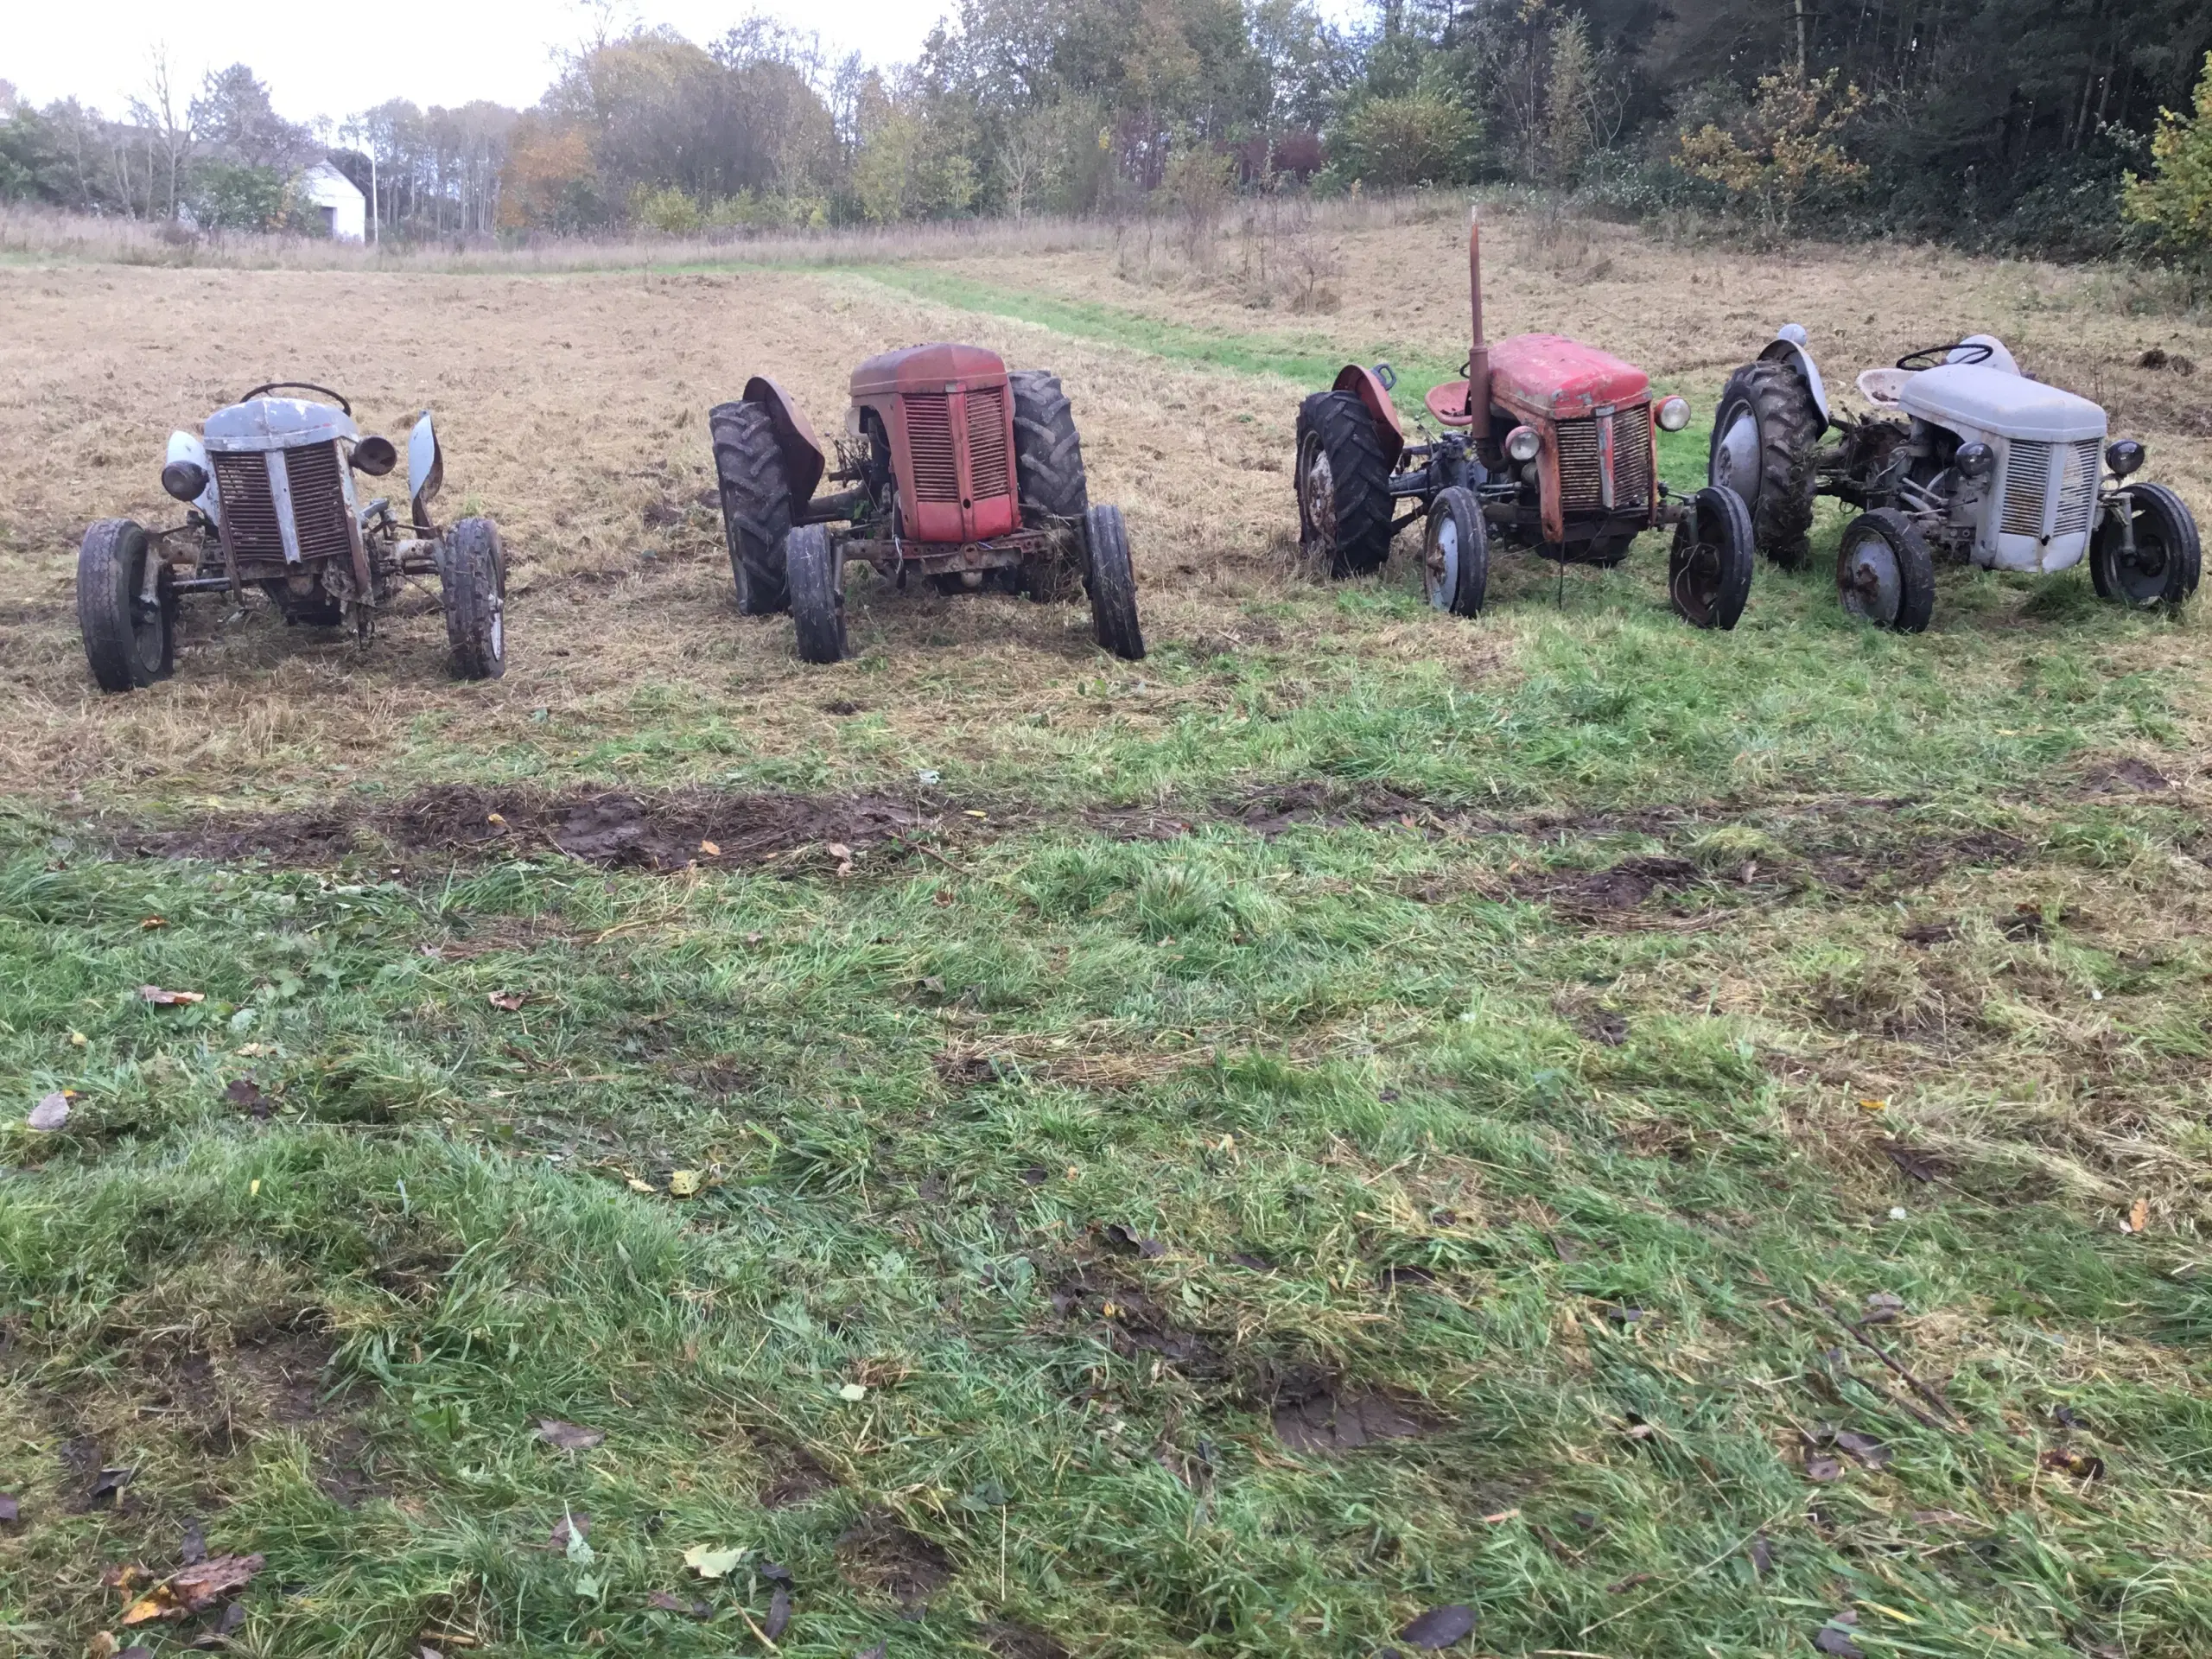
{"x":298,"y":386}
{"x":1931,"y":357}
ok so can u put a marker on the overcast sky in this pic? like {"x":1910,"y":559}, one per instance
{"x":430,"y":51}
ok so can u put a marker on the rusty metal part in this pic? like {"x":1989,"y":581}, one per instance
{"x":1478,"y":345}
{"x":894,"y":557}
{"x":802,"y":451}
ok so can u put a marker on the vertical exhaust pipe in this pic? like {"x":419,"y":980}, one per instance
{"x":1478,"y":350}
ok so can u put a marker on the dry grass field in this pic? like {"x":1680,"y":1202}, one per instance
{"x":1686,"y":1145}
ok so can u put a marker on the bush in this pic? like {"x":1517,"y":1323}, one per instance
{"x":227,"y":196}
{"x":1420,"y":138}
{"x":2179,"y":200}
{"x":667,"y":210}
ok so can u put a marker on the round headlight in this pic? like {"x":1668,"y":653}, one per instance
{"x":1974,"y":460}
{"x":1674,"y":414}
{"x":1522,"y":443}
{"x":185,"y":479}
{"x":2124,"y":457}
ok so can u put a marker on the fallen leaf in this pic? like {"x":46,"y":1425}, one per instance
{"x":683,"y":1184}
{"x":109,"y":1483}
{"x":587,"y":1584}
{"x":881,"y":1649}
{"x":1873,"y":1105}
{"x":1833,"y":1639}
{"x":50,"y":1114}
{"x":161,"y":999}
{"x":1621,"y":1586}
{"x":852,"y":1393}
{"x":569,"y":1437}
{"x":510,"y":1001}
{"x":774,"y":1572}
{"x":2138,"y":1217}
{"x":10,"y":1511}
{"x":78,"y":1039}
{"x":1501,"y":1517}
{"x":568,"y":1537}
{"x":637,"y":1186}
{"x":494,"y":817}
{"x":714,"y":1562}
{"x":779,"y":1613}
{"x":193,"y":1549}
{"x":1128,"y":1242}
{"x":662,"y":1601}
{"x":152,"y":922}
{"x":1864,"y":1447}
{"x":1762,"y":1555}
{"x":1883,"y":1307}
{"x":231,"y":1621}
{"x":195,"y":1589}
{"x":971,"y":812}
{"x":1439,"y":1627}
{"x":2067,"y":1417}
{"x":1823,"y":1468}
{"x":710,"y":849}
{"x":838,"y":849}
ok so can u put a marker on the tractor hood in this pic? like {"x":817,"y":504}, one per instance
{"x":926,"y":368}
{"x":277,"y":423}
{"x":1997,"y":404}
{"x":1551,"y":376}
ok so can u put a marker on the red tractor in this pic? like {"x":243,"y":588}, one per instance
{"x":1548,"y":443}
{"x":957,"y":474}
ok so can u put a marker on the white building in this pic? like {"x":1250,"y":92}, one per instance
{"x":344,"y":210}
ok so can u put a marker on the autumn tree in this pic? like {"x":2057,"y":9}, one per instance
{"x":2176,"y":199}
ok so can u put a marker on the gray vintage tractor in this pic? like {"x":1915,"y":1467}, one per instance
{"x":270,"y":503}
{"x":1963,"y":458}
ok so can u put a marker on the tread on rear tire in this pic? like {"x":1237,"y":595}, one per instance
{"x":818,"y":598}
{"x":1773,"y":471}
{"x":473,"y":584}
{"x":756,"y":498}
{"x":1112,"y":583}
{"x":1346,"y":524}
{"x":126,"y":649}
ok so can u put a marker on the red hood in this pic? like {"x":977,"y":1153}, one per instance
{"x":1551,"y":375}
{"x":926,"y":368}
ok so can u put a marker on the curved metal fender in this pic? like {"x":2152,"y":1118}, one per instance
{"x":183,"y":446}
{"x":1355,"y":378}
{"x":1788,"y":346}
{"x":802,"y":450}
{"x":426,"y":470}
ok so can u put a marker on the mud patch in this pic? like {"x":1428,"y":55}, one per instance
{"x":1315,"y":1413}
{"x":1010,"y":1641}
{"x":1619,"y":887}
{"x":676,"y":830}
{"x":2127,"y":776}
{"x":877,"y":1554}
{"x":797,"y":1478}
{"x":1134,"y":1323}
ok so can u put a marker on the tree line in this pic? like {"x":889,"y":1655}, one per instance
{"x":2060,"y":126}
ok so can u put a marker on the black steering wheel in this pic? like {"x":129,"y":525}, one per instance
{"x":298,"y":386}
{"x":1935,"y":356}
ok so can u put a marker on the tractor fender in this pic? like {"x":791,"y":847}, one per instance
{"x":426,"y":470}
{"x":1788,"y":346}
{"x":802,"y":450}
{"x":1998,"y":357}
{"x":185,"y":446}
{"x":1355,"y":378}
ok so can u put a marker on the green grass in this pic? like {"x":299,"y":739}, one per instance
{"x":1588,"y":1191}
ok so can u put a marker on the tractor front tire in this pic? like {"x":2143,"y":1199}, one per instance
{"x":756,"y":505}
{"x":1764,"y":435}
{"x":2167,"y":558}
{"x":1884,"y":572}
{"x":129,"y":644}
{"x":1709,"y":567}
{"x":473,"y":584}
{"x":1455,"y":553}
{"x":817,"y":597}
{"x":1343,"y":485}
{"x":1112,"y":583}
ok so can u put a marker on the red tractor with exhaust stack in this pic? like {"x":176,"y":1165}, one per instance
{"x":957,"y":474}
{"x":1547,"y":442}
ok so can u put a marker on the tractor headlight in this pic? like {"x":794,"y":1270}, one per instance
{"x":1674,"y":414}
{"x":1975,"y":460}
{"x":185,"y":479}
{"x":1522,"y":443}
{"x":2124,"y":457}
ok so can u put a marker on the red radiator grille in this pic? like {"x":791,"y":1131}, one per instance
{"x":987,"y":443}
{"x":1580,"y":488}
{"x":319,"y":512}
{"x":929,"y":442}
{"x":248,"y":510}
{"x":1632,"y":456}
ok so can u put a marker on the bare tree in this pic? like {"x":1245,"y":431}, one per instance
{"x":167,"y":135}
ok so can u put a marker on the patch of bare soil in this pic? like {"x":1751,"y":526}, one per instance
{"x":1315,"y":1413}
{"x":877,"y":1554}
{"x":1011,"y":1641}
{"x":797,"y":1477}
{"x":1135,"y":1323}
{"x":654,"y":831}
{"x":2127,"y":776}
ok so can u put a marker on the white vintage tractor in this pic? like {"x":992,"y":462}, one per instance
{"x":267,"y":488}
{"x":1964,"y":458}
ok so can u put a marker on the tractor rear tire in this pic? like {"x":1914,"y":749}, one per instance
{"x":1709,"y":568}
{"x":1048,"y":465}
{"x":1112,"y":583}
{"x":2168,"y":558}
{"x":473,"y":582}
{"x":756,"y":505}
{"x":1455,"y":553}
{"x":1343,"y":485}
{"x":128,"y":646}
{"x":1884,"y":572}
{"x":817,"y":597}
{"x":1764,"y":436}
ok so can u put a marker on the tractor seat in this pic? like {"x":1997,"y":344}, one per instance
{"x":1883,"y":387}
{"x":1448,"y":403}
